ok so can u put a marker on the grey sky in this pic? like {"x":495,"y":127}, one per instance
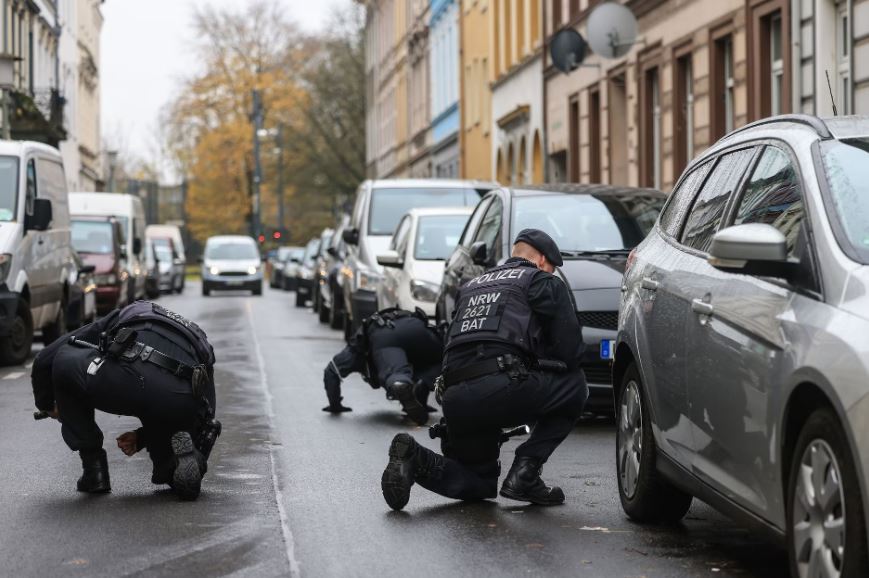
{"x":146,"y":50}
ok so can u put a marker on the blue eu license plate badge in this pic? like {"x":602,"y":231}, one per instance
{"x":607,"y":349}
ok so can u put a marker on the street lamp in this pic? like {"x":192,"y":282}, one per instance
{"x":7,"y":83}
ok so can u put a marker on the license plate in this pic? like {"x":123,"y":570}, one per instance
{"x":607,"y":349}
{"x":234,"y":283}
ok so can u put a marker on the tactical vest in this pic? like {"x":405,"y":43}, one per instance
{"x":147,"y":312}
{"x":494,"y":307}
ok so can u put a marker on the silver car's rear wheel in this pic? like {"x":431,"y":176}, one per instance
{"x":819,"y":513}
{"x":630,"y":446}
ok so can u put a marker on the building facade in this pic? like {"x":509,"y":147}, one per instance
{"x":386,"y":68}
{"x":419,"y":95}
{"x":82,"y":23}
{"x":444,"y":83}
{"x":517,"y":92}
{"x":475,"y":109}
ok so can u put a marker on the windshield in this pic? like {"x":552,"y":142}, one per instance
{"x":284,"y":253}
{"x":588,"y":222}
{"x":231,"y":251}
{"x":8,"y":188}
{"x":311,"y":250}
{"x":163,"y":252}
{"x":92,"y":237}
{"x":436,"y":237}
{"x":389,"y":205}
{"x":846,"y":164}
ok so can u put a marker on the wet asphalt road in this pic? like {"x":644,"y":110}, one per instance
{"x":295,"y":491}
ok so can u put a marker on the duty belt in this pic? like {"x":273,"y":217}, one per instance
{"x":147,"y":353}
{"x":510,"y":364}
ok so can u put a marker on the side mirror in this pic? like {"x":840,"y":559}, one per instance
{"x":295,"y":260}
{"x":123,"y":252}
{"x":86,"y":270}
{"x":479,"y":253}
{"x":137,"y":246}
{"x":351,"y":236}
{"x":41,"y":218}
{"x":332,"y":251}
{"x":753,"y":249}
{"x":390,"y":259}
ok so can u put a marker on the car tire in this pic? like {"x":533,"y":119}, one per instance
{"x":206,"y":290}
{"x":55,"y":330}
{"x":335,"y":321}
{"x":323,"y":313}
{"x":257,"y":291}
{"x":15,"y":348}
{"x":822,"y":445}
{"x":645,"y":495}
{"x":300,"y":299}
{"x":348,"y":327}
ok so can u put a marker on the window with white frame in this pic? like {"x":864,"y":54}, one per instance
{"x":843,"y":57}
{"x":729,"y":83}
{"x":776,"y":64}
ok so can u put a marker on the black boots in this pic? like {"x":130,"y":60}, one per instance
{"x":523,"y":483}
{"x":95,"y":475}
{"x":189,"y":466}
{"x":408,"y":461}
{"x":405,"y":394}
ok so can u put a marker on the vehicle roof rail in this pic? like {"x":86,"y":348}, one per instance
{"x":813,"y":122}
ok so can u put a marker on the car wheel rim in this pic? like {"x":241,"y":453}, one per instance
{"x":630,"y":439}
{"x":819,"y":513}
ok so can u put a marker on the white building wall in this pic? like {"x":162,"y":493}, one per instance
{"x":523,"y":88}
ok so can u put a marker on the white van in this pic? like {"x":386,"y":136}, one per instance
{"x":130,"y":212}
{"x":36,"y":256}
{"x":179,"y":261}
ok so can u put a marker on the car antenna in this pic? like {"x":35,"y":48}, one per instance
{"x":830,"y":88}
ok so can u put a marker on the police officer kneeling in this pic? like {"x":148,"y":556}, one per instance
{"x":507,"y":320}
{"x":394,"y":349}
{"x":142,"y":361}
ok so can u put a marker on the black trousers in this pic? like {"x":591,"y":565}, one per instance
{"x":477,"y":410}
{"x":164,"y":403}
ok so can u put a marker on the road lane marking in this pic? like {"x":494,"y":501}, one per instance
{"x":279,"y":496}
{"x":13,"y":375}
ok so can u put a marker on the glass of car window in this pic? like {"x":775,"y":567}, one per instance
{"x":437,"y":236}
{"x":232,"y":251}
{"x":846,"y":171}
{"x":8,"y":188}
{"x":93,"y":237}
{"x":388,"y":205}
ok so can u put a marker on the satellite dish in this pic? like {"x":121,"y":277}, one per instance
{"x":612,"y":30}
{"x":567,"y":49}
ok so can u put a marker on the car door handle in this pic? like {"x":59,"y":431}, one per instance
{"x":650,"y":284}
{"x":702,"y":307}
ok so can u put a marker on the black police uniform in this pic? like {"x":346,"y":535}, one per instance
{"x":393,"y":349}
{"x":161,"y":373}
{"x":506,"y":320}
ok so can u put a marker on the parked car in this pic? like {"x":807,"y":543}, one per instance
{"x":99,"y":241}
{"x":130,"y":212}
{"x":152,"y":272}
{"x":170,"y":266}
{"x":378,"y":208}
{"x":36,"y":264}
{"x":414,"y":263}
{"x":231,"y":262}
{"x":279,"y":262}
{"x":742,"y":359}
{"x":305,"y":272}
{"x":319,"y":271}
{"x":331,"y":306}
{"x":173,"y":233}
{"x":82,"y":306}
{"x":595,"y":226}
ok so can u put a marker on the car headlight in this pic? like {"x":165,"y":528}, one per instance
{"x":306,"y":274}
{"x":106,"y":279}
{"x":214,"y":270}
{"x":367,"y":280}
{"x":5,"y":265}
{"x":424,"y":291}
{"x":251,"y":270}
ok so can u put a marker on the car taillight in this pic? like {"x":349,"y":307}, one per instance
{"x":632,"y":256}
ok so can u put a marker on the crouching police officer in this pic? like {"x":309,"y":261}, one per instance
{"x":394,"y":349}
{"x":142,"y":361}
{"x":512,"y":325}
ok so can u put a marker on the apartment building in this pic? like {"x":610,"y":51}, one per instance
{"x":419,"y":94}
{"x":444,"y":70}
{"x":475,"y":110}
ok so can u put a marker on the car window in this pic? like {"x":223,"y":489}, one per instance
{"x":437,"y":235}
{"x":31,"y":187}
{"x":681,"y":198}
{"x":8,"y":187}
{"x":490,"y":227}
{"x":230,"y":251}
{"x":388,"y":204}
{"x":709,"y":207}
{"x":92,"y":237}
{"x":846,"y":172}
{"x":773,"y":196}
{"x":399,"y":239}
{"x":473,"y":223}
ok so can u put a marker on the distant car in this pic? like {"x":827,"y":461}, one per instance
{"x":169,"y":265}
{"x":231,"y":262}
{"x":99,"y":242}
{"x":305,"y":273}
{"x":82,"y":306}
{"x":595,"y":226}
{"x":378,"y":208}
{"x":331,"y":306}
{"x":173,"y":233}
{"x":319,"y":271}
{"x":742,"y":360}
{"x":414,"y":264}
{"x":152,"y":272}
{"x":279,"y":261}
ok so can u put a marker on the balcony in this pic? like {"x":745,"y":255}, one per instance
{"x":37,"y":117}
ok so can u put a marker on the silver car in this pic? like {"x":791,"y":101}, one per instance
{"x":742,"y":358}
